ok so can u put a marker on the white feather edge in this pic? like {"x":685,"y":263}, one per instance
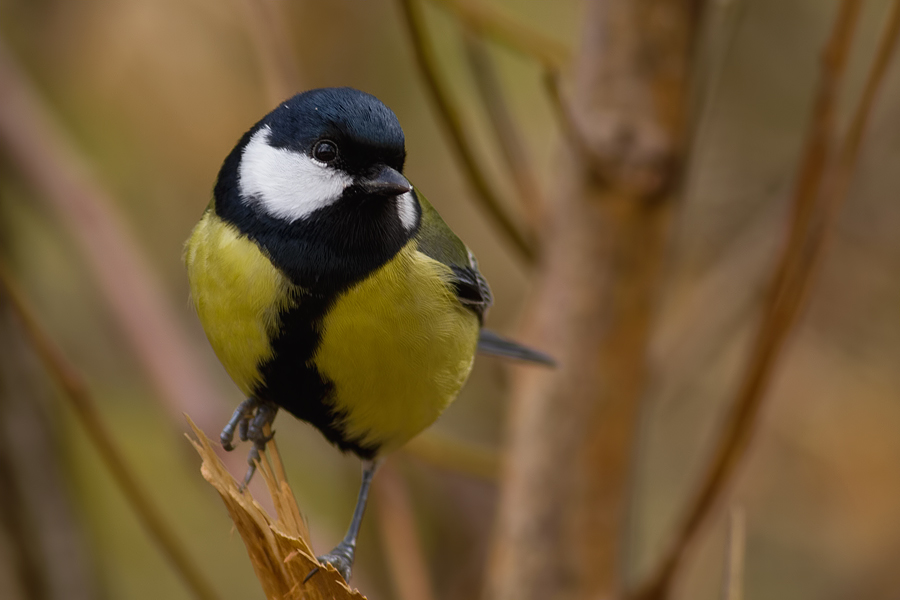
{"x":406,"y":210}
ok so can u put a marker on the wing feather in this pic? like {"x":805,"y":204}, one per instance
{"x":436,"y":240}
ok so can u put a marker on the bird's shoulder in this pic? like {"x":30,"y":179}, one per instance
{"x":436,"y":240}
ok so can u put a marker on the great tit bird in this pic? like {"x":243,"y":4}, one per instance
{"x":329,"y":287}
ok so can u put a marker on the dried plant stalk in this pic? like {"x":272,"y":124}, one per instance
{"x":733,"y":582}
{"x":450,"y":115}
{"x":38,"y":148}
{"x":278,"y":548}
{"x":402,"y":547}
{"x":453,"y":454}
{"x":76,"y":392}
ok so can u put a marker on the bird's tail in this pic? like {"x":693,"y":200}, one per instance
{"x":495,"y":345}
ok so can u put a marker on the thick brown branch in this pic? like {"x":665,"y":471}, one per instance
{"x":603,"y":239}
{"x":631,"y":153}
{"x":451,"y":116}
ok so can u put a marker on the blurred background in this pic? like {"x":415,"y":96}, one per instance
{"x":151,"y":96}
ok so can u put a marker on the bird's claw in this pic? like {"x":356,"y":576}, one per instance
{"x":253,"y":457}
{"x":341,"y":558}
{"x":239,"y":420}
{"x":250,"y":420}
{"x":310,"y":574}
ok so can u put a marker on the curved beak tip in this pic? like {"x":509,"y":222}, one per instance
{"x":387,"y":182}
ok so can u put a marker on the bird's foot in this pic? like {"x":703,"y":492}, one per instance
{"x":255,"y":429}
{"x":341,"y":558}
{"x":240,"y":421}
{"x":250,"y":420}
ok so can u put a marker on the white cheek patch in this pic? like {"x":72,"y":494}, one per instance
{"x":287,"y":184}
{"x":406,"y":209}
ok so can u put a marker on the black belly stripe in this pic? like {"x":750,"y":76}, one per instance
{"x":291,"y":381}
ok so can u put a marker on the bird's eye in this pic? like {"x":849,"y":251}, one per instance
{"x":325,"y":151}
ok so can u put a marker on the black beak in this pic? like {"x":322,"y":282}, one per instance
{"x":386,"y":182}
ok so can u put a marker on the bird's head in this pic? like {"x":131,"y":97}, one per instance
{"x":318,"y":183}
{"x":323,"y":148}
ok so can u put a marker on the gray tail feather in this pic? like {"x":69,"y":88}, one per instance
{"x":495,"y":345}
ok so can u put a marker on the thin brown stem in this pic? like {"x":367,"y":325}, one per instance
{"x":451,"y":116}
{"x":38,"y":148}
{"x":76,"y":392}
{"x":41,"y":529}
{"x":405,"y":557}
{"x":724,"y":19}
{"x":568,"y":123}
{"x":27,"y":563}
{"x":849,"y":152}
{"x":496,"y":25}
{"x":733,"y":582}
{"x":789,"y":291}
{"x":506,"y":131}
{"x":456,"y":455}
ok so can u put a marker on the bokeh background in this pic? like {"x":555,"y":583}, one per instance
{"x":153,"y":95}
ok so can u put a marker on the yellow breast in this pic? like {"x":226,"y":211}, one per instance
{"x":398,"y":347}
{"x":238,"y":295}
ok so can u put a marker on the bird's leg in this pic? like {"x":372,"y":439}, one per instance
{"x":255,"y":431}
{"x":240,"y":418}
{"x":341,"y":558}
